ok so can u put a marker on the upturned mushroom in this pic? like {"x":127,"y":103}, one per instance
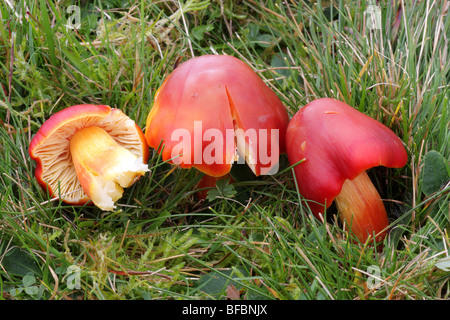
{"x":210,"y":110}
{"x":89,"y":153}
{"x":334,"y":145}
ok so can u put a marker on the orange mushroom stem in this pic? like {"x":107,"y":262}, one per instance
{"x":103,"y":167}
{"x":337,"y":145}
{"x":361,"y":208}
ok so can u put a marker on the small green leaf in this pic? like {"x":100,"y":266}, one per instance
{"x":443,"y":264}
{"x":222,"y":190}
{"x":264,"y":40}
{"x":199,"y":32}
{"x":279,"y":62}
{"x":255,"y":37}
{"x":32,"y":291}
{"x":226,"y":189}
{"x":15,"y":291}
{"x":253,"y":31}
{"x":28,"y":280}
{"x":19,"y":262}
{"x":215,"y":283}
{"x":434,"y":173}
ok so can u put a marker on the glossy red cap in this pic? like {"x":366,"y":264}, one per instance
{"x":221,"y":93}
{"x":336,"y":142}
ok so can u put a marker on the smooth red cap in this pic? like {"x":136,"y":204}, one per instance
{"x":220,"y":92}
{"x":336,"y":142}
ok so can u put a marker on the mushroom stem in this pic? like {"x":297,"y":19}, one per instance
{"x":360,"y":207}
{"x":103,"y":167}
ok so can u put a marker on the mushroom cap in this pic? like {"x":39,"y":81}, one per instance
{"x":50,"y":146}
{"x":223,"y":94}
{"x":337,"y":142}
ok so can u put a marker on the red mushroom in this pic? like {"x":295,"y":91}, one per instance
{"x":211,"y":108}
{"x":89,"y":152}
{"x":337,"y":145}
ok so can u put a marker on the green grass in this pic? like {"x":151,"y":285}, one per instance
{"x":162,"y":243}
